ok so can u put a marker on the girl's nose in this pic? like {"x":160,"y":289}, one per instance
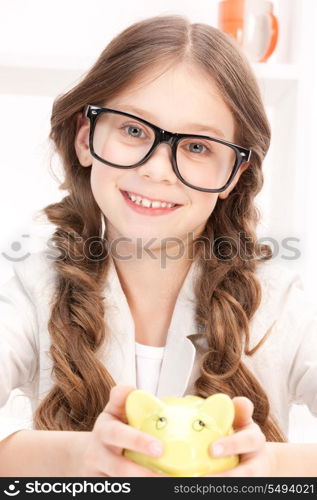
{"x":159,"y":166}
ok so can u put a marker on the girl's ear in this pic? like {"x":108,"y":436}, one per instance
{"x":81,"y":141}
{"x":226,"y":193}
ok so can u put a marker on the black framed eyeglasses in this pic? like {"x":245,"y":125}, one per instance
{"x":123,"y":140}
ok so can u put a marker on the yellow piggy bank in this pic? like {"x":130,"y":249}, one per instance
{"x":186,"y":426}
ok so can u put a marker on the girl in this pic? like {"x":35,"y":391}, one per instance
{"x":156,"y":279}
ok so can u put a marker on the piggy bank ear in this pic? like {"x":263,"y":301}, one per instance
{"x":140,"y":405}
{"x":221,"y":408}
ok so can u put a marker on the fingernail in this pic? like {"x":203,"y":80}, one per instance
{"x":155,"y":448}
{"x":218,"y":450}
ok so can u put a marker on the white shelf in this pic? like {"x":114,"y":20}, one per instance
{"x":267,"y":70}
{"x":277,"y":71}
{"x":45,"y":61}
{"x":42,"y":74}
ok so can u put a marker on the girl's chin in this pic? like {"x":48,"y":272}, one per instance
{"x":148,"y":240}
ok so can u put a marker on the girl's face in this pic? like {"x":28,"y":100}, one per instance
{"x":183,"y":99}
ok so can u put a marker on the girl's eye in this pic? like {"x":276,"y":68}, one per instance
{"x":195,"y":147}
{"x":134,"y":131}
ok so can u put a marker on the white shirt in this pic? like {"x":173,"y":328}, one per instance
{"x":148,"y":366}
{"x":285,"y":365}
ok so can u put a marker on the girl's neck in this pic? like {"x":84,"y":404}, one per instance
{"x":151,"y":290}
{"x":149,"y":282}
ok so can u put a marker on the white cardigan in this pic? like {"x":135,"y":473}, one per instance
{"x":286,"y":364}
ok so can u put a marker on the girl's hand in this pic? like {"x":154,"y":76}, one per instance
{"x":110,"y":435}
{"x":256,"y":457}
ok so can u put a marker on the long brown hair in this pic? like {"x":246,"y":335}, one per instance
{"x":228,"y":292}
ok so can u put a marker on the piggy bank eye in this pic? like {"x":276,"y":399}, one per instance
{"x":161,"y":422}
{"x":198,"y":425}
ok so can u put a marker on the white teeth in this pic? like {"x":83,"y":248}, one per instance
{"x":148,"y":203}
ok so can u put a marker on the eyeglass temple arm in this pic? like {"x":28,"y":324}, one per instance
{"x":86,"y":109}
{"x":246,"y":155}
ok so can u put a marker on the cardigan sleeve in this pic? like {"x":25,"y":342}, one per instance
{"x":302,"y":380}
{"x":18,"y":349}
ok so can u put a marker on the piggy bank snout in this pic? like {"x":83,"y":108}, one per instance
{"x":179,"y":451}
{"x":181,"y":457}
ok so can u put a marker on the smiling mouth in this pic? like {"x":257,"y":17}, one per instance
{"x":145,"y":202}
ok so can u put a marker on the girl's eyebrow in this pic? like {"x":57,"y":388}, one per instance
{"x":150,"y":117}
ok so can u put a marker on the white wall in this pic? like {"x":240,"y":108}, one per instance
{"x":46,"y":46}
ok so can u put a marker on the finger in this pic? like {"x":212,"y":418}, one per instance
{"x":121,"y":435}
{"x":116,"y":403}
{"x":248,"y":440}
{"x":119,"y":466}
{"x":243,"y":411}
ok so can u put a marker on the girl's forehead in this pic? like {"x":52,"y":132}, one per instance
{"x":181,"y":95}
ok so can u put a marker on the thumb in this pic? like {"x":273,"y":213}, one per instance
{"x":116,"y":403}
{"x":243,"y":411}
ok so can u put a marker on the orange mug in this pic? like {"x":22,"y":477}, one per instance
{"x":252,"y":24}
